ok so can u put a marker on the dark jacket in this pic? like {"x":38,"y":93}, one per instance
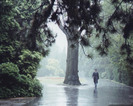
{"x":95,"y":76}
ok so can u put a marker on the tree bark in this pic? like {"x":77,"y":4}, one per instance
{"x":71,"y":76}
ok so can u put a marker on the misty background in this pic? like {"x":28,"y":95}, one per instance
{"x":55,"y":63}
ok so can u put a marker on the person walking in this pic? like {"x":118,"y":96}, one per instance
{"x":95,"y":76}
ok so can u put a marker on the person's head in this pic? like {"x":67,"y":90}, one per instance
{"x":95,"y":70}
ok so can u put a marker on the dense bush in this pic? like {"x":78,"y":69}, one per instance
{"x":13,"y":84}
{"x":18,"y":62}
{"x":28,"y":62}
{"x":9,"y":73}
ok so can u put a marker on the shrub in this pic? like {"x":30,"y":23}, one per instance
{"x":9,"y":74}
{"x":28,"y":62}
{"x":13,"y":84}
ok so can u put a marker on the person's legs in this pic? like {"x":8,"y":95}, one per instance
{"x":95,"y":85}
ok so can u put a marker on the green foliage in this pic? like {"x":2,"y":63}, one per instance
{"x":7,"y":52}
{"x":18,"y":64}
{"x":7,"y":15}
{"x":53,"y":68}
{"x":122,"y":15}
{"x":10,"y":71}
{"x":115,"y":66}
{"x":12,"y":84}
{"x":122,"y":69}
{"x":28,"y":62}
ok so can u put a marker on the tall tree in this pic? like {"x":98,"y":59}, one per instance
{"x":76,"y":18}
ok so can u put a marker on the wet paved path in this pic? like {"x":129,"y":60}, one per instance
{"x":107,"y":93}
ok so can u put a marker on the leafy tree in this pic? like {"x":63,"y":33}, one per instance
{"x":122,"y":67}
{"x":119,"y":24}
{"x":79,"y":19}
{"x":123,"y":16}
{"x":28,"y":62}
{"x":53,"y":67}
{"x":19,"y":63}
{"x":74,"y":18}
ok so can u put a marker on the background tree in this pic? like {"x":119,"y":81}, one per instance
{"x":116,"y":15}
{"x":59,"y":60}
{"x":119,"y":23}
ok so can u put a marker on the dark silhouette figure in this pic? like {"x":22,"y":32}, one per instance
{"x":95,"y":76}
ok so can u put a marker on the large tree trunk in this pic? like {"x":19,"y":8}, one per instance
{"x":71,"y":76}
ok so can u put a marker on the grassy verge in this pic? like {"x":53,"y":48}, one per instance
{"x":51,"y":80}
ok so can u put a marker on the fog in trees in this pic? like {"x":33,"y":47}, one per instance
{"x":54,"y":63}
{"x":102,"y":25}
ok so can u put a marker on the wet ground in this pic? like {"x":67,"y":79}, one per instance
{"x":108,"y":93}
{"x":21,"y":101}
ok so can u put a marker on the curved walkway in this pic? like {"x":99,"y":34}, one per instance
{"x":108,"y":93}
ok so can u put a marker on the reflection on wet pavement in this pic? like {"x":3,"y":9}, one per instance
{"x":106,"y":94}
{"x":71,"y":96}
{"x":95,"y":93}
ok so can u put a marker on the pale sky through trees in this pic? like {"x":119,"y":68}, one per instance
{"x":61,"y":41}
